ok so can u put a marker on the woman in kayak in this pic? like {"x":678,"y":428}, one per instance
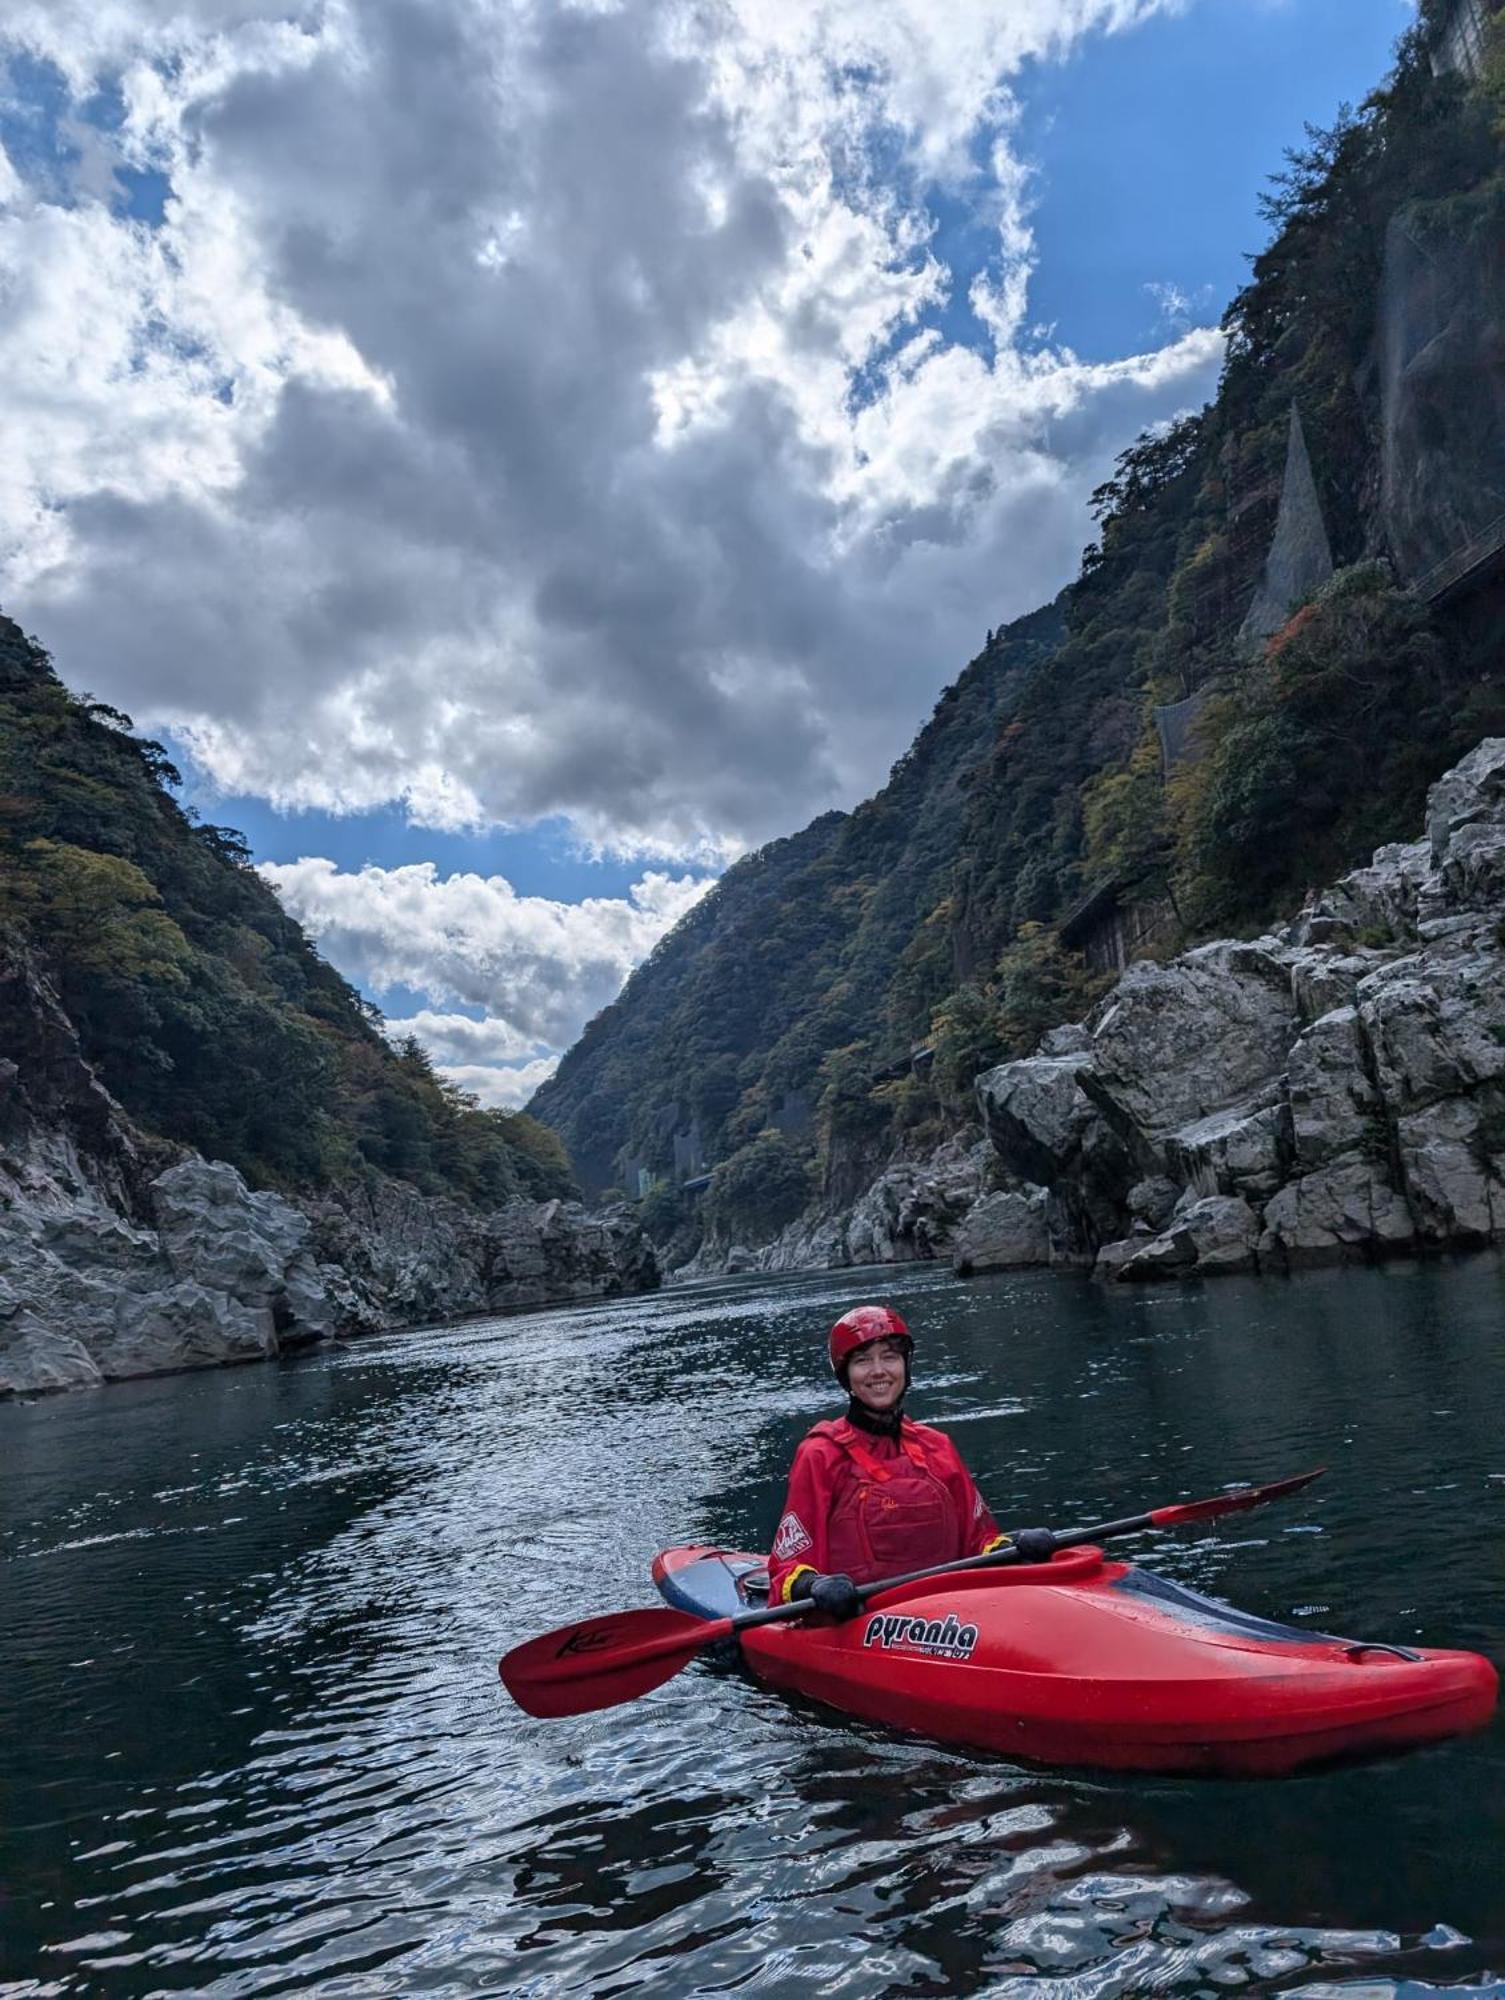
{"x":874,"y":1493}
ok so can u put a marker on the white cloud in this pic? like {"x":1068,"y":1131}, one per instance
{"x":458,"y":1039}
{"x":480,"y":428}
{"x":488,"y":1057}
{"x":502,"y":1089}
{"x":538,"y":968}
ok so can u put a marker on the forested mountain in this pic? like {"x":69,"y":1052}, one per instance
{"x":198,"y":1000}
{"x":933,"y":914}
{"x":816,"y":957}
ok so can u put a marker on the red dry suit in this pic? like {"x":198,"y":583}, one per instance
{"x":870,"y":1506}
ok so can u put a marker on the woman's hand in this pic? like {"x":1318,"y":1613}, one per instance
{"x":835,"y":1596}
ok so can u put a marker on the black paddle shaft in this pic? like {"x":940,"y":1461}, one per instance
{"x":1174,"y":1515}
{"x":799,"y":1607}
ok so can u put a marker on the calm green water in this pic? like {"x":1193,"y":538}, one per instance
{"x":254,"y":1742}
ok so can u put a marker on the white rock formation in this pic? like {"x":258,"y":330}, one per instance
{"x":1331,"y":1092}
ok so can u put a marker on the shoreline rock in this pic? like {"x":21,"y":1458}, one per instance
{"x":1329,"y":1093}
{"x":909,"y":1214}
{"x":121,"y":1258}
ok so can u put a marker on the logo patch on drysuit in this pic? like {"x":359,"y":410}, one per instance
{"x":941,"y":1638}
{"x":792,"y":1539}
{"x":978,"y":1509}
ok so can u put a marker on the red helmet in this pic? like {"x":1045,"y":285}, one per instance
{"x":859,"y":1328}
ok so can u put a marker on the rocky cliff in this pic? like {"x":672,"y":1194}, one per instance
{"x":1332,"y":1090}
{"x":909,"y":1214}
{"x":122,"y":1256}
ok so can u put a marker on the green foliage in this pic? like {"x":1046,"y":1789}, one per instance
{"x":1324,"y":745}
{"x":849,"y":1107}
{"x":1040,"y":984}
{"x":201,"y":1003}
{"x":759,"y":1188}
{"x":103,"y":913}
{"x":1124,"y":822}
{"x":662,"y":1212}
{"x":966,"y":1037}
{"x":538,"y":1155}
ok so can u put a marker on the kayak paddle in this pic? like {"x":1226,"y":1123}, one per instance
{"x":600,"y":1662}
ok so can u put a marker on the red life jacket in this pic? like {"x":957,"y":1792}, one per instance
{"x":892,"y":1514}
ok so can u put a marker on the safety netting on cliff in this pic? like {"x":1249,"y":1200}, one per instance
{"x":1441,"y":353}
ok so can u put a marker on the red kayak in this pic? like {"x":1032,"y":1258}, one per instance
{"x":1086,"y":1661}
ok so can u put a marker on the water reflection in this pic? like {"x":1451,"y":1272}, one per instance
{"x":255,"y":1742}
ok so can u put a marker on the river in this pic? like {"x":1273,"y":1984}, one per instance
{"x":254,"y":1742}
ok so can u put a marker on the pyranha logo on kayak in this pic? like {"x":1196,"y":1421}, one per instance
{"x":941,"y":1638}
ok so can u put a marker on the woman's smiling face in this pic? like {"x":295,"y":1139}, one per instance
{"x":875,"y":1374}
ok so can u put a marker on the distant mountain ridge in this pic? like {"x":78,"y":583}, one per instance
{"x":787,"y":957}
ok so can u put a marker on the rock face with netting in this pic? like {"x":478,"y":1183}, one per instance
{"x":1441,"y":352}
{"x":1300,"y":559}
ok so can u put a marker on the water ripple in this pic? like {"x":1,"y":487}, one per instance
{"x":258,"y":1745}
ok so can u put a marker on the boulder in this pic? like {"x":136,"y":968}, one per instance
{"x":910,"y":1213}
{"x":1470,"y":796}
{"x":1047,"y":1132}
{"x":1174,"y":1043}
{"x":1453,"y":1158}
{"x":1004,"y":1232}
{"x":1345,"y":1210}
{"x":1152,"y":1202}
{"x":1377,"y":906}
{"x":1111,"y":1259}
{"x":253,"y":1248}
{"x":1435,"y":1023}
{"x":35,"y":1356}
{"x":1041,"y":1121}
{"x":1336,"y":1112}
{"x":1324,"y":979}
{"x":1245,"y":1150}
{"x":1216,"y":1234}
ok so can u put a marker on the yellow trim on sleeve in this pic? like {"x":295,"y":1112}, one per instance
{"x":786,"y":1588}
{"x":998,"y":1542}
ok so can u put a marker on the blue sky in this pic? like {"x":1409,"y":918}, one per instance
{"x":516,"y":465}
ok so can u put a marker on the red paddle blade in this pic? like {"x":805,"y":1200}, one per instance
{"x":1233,"y":1503}
{"x":603,"y":1661}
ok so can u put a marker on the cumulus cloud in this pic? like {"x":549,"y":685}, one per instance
{"x":538,"y":969}
{"x":505,"y":1089}
{"x":487,"y":1057}
{"x":525,"y":410}
{"x":460,"y":1039}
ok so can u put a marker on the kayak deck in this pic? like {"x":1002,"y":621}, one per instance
{"x":1087,"y":1661}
